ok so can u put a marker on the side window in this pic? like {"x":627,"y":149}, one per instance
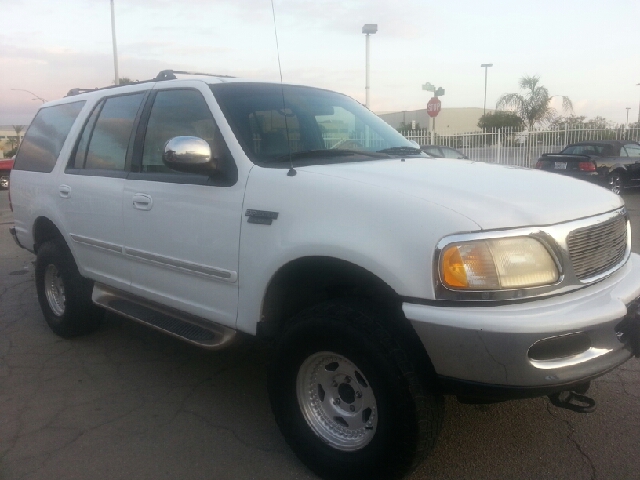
{"x":106,"y":135}
{"x":178,"y":113}
{"x":46,"y":136}
{"x":632,"y":150}
{"x":81,"y":150}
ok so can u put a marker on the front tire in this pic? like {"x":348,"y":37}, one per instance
{"x":615,"y":183}
{"x":348,"y":396}
{"x":64,"y":295}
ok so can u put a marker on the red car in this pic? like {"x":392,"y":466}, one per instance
{"x":5,"y":168}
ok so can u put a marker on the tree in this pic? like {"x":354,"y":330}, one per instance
{"x":18,"y":129}
{"x":501,"y":119}
{"x":533,"y":105}
{"x":407,"y":126}
{"x":126,"y":81}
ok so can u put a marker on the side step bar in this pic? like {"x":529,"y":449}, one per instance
{"x":178,"y":324}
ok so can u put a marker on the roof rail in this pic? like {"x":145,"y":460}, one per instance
{"x":161,"y":77}
{"x":77,"y":91}
{"x":170,"y":75}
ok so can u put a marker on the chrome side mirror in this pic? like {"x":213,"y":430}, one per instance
{"x":189,"y":154}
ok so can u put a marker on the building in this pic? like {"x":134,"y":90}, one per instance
{"x":8,"y":137}
{"x":448,"y":121}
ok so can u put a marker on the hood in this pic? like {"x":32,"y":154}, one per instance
{"x":493,"y":196}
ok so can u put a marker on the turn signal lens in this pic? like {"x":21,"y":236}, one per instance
{"x":496,"y":264}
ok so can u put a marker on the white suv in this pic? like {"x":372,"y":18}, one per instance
{"x":385,"y":279}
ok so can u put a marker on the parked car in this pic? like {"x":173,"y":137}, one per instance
{"x":442,"y":151}
{"x":614,"y":164}
{"x":6,"y":165}
{"x":205,"y":207}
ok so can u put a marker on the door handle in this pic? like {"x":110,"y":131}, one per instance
{"x":65,"y":191}
{"x":142,"y":201}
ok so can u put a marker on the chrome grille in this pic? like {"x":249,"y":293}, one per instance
{"x":598,"y":248}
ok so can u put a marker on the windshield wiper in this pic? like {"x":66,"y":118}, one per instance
{"x":407,"y":150}
{"x":334,"y":152}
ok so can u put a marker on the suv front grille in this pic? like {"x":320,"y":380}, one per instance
{"x":598,"y":248}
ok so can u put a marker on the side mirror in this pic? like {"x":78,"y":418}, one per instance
{"x":190,"y":155}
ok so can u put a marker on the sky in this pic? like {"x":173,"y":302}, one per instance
{"x":587,"y":50}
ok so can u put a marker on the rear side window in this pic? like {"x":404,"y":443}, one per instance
{"x":46,"y":136}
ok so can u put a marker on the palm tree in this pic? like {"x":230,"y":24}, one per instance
{"x":533,"y":105}
{"x":18,"y":129}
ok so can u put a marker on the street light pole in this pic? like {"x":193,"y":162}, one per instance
{"x":115,"y":48}
{"x":368,"y":29}
{"x":638,"y":108}
{"x":628,"y":108}
{"x":23,"y":90}
{"x":486,"y":67}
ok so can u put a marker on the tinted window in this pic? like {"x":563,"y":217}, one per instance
{"x":433,"y":151}
{"x":589,"y":150}
{"x":632,"y":150}
{"x":451,"y":153}
{"x":110,"y":137}
{"x":45,"y":137}
{"x":83,"y":144}
{"x":178,"y":113}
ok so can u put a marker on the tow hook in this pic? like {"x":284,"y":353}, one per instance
{"x":574,"y":400}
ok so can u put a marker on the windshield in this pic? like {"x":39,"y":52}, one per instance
{"x":310,"y":124}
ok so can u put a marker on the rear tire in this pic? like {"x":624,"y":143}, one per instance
{"x":348,"y":396}
{"x":64,"y":295}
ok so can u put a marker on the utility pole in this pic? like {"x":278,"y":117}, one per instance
{"x":115,"y":48}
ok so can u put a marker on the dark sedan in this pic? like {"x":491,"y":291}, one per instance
{"x":5,"y":169}
{"x":442,"y":151}
{"x":614,"y":164}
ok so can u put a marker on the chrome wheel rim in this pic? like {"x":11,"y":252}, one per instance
{"x":615,"y":184}
{"x":4,"y":182}
{"x":337,"y":401}
{"x":54,"y":290}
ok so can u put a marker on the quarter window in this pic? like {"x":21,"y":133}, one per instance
{"x":46,"y":136}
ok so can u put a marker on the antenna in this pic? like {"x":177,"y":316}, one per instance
{"x":291,"y":172}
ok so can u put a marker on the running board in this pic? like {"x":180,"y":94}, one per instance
{"x":186,"y":327}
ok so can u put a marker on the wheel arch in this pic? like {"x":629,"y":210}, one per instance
{"x":308,"y":281}
{"x":44,"y":229}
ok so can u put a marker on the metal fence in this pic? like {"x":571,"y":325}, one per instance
{"x":510,"y":147}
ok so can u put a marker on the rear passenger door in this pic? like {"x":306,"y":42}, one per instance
{"x":90,"y":189}
{"x":182,"y":229}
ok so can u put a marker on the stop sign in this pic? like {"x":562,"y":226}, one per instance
{"x":433,"y":107}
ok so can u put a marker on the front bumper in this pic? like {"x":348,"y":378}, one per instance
{"x":12,"y":231}
{"x":491,"y":345}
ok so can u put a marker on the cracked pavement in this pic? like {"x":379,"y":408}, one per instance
{"x":128,"y":402}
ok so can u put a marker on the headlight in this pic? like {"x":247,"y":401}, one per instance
{"x":497,"y":264}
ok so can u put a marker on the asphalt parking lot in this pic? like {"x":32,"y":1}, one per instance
{"x":130,"y":403}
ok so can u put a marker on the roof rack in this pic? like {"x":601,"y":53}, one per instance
{"x":170,"y":75}
{"x":164,"y":75}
